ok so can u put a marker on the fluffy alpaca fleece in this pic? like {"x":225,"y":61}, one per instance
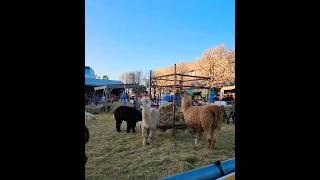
{"x":138,"y":125}
{"x":199,"y":119}
{"x":129,"y":114}
{"x":150,"y":119}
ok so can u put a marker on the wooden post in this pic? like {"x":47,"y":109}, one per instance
{"x":174,"y":102}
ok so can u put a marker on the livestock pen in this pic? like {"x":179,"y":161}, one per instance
{"x":169,"y":104}
{"x":113,"y":155}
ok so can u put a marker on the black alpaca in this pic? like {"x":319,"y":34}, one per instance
{"x":129,"y":114}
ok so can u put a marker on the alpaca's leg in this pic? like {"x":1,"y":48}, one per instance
{"x":210,"y":137}
{"x":152,"y":133}
{"x":194,"y":136}
{"x":118,"y":125}
{"x":148,"y":135}
{"x":209,"y":143}
{"x":134,"y":127}
{"x":199,"y":135}
{"x":214,"y":140}
{"x":128,"y":126}
{"x":228,"y":121}
{"x":144,"y":135}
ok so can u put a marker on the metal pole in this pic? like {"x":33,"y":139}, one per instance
{"x":124,"y":95}
{"x":174,"y":102}
{"x":208,"y":96}
{"x":105,"y":98}
{"x":154,"y":92}
{"x":150,"y":84}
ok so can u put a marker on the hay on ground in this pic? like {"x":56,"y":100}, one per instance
{"x":95,"y":109}
{"x":167,"y":118}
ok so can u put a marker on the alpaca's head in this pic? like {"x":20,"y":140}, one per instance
{"x":186,"y":100}
{"x":145,"y":102}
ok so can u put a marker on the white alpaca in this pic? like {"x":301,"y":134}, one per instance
{"x":88,"y":116}
{"x":138,"y":125}
{"x":150,"y":119}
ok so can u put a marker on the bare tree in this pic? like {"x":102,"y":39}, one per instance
{"x":216,"y":63}
{"x":182,"y":67}
{"x":125,"y":77}
{"x":138,"y":77}
{"x":146,"y":79}
{"x":134,"y":77}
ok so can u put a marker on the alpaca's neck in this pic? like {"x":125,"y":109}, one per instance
{"x":146,"y":113}
{"x":185,"y":104}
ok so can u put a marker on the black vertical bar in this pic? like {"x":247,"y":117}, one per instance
{"x":150,"y":84}
{"x":174,"y":102}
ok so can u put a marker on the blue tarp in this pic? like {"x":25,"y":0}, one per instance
{"x":206,"y":172}
{"x":169,"y":98}
{"x":212,"y":96}
{"x":100,"y":82}
{"x":89,"y":73}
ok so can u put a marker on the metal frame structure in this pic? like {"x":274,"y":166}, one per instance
{"x":178,"y":80}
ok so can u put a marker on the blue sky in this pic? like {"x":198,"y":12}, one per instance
{"x":129,"y":35}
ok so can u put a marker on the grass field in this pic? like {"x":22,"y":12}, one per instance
{"x":113,"y":155}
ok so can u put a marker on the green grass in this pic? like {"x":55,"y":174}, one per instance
{"x":113,"y":155}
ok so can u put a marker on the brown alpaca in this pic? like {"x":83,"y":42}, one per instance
{"x":201,"y":119}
